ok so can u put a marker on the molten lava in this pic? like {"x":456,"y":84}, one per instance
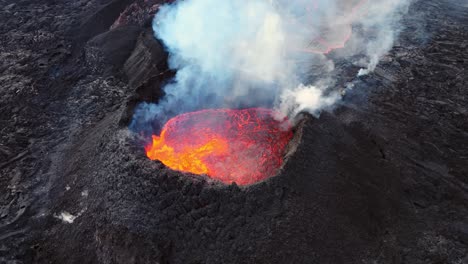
{"x":335,"y":36}
{"x":242,"y":146}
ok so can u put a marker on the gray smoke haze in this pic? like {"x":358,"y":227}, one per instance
{"x":237,"y":53}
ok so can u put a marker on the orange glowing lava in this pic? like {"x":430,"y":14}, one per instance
{"x":337,"y":34}
{"x":243,"y":146}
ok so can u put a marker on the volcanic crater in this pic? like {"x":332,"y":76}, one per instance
{"x":380,"y":179}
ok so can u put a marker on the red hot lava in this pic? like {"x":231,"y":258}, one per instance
{"x":336,"y":35}
{"x":242,"y":146}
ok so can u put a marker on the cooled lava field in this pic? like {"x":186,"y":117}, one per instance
{"x":382,"y":177}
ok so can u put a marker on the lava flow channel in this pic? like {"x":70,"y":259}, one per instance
{"x":243,"y":146}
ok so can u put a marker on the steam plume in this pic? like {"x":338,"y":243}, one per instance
{"x":236,"y":53}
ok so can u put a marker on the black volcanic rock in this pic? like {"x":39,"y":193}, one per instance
{"x":108,"y":51}
{"x":101,"y":18}
{"x":147,"y":60}
{"x":189,"y":218}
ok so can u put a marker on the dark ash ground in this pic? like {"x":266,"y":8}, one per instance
{"x":383,"y":179}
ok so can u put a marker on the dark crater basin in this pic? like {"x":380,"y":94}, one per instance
{"x":380,"y":179}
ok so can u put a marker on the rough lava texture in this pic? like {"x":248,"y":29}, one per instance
{"x":140,"y":12}
{"x":382,"y":179}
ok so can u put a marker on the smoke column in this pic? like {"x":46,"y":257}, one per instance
{"x":236,"y":53}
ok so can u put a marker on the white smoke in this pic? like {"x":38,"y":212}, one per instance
{"x":305,"y":98}
{"x":237,"y":53}
{"x":383,"y":19}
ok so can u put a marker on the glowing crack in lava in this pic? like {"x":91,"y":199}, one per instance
{"x":243,"y":146}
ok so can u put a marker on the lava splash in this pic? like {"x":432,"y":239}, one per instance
{"x":243,"y":146}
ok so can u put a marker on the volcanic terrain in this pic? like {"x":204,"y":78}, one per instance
{"x":382,"y":178}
